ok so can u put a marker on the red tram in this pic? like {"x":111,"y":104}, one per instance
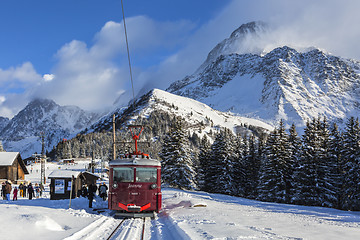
{"x":135,"y":184}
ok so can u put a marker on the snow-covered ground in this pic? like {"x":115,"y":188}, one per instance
{"x":185,"y":215}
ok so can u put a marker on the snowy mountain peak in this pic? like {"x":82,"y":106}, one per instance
{"x":283,"y":84}
{"x":249,"y":28}
{"x":22,"y":132}
{"x":193,"y":112}
{"x":240,"y":41}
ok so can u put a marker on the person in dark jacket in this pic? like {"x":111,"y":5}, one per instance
{"x":103,"y":191}
{"x":3,"y":191}
{"x":84,"y":191}
{"x":30,"y":191}
{"x":91,"y":193}
{"x":8,"y":190}
{"x":25,"y":189}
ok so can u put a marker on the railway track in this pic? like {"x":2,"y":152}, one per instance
{"x":131,"y":228}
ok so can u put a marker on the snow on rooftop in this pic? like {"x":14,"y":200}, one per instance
{"x":63,"y":174}
{"x":7,"y":158}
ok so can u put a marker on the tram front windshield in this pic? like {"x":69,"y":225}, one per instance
{"x":146,"y":175}
{"x":126,"y":174}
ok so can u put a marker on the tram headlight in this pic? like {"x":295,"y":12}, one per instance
{"x":153,"y":186}
{"x":115,"y":185}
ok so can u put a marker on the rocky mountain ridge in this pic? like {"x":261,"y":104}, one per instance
{"x":43,"y":116}
{"x":194,"y":113}
{"x":282,"y":84}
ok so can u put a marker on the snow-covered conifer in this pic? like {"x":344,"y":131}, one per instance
{"x":336,"y":149}
{"x":220,"y":173}
{"x":276,"y":170}
{"x":239,"y":178}
{"x":177,"y":158}
{"x":251,"y":163}
{"x":327,"y":169}
{"x":204,"y":160}
{"x":351,"y":155}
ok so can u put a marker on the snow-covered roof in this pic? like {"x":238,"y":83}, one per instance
{"x":7,"y":158}
{"x":90,"y":173}
{"x":63,"y":174}
{"x":135,"y":161}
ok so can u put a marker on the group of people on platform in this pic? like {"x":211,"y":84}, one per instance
{"x":90,"y":192}
{"x":22,"y":191}
{"x":36,"y":191}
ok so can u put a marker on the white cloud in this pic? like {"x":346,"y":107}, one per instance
{"x":48,"y":77}
{"x":23,"y":74}
{"x":327,"y":24}
{"x":15,"y":85}
{"x":91,"y":77}
{"x":2,"y":99}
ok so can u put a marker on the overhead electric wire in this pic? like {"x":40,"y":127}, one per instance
{"x":128,"y":53}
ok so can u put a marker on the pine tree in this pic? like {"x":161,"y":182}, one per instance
{"x":295,"y":145}
{"x":251,"y":164}
{"x":351,"y":155}
{"x":306,"y":174}
{"x":176,"y":155}
{"x":336,"y":150}
{"x":314,"y":178}
{"x":239,"y":179}
{"x":219,"y":177}
{"x":277,"y":168}
{"x":328,"y":166}
{"x":204,"y":160}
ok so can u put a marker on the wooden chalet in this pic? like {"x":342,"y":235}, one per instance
{"x":12,"y":167}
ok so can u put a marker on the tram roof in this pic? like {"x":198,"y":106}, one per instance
{"x":135,"y":161}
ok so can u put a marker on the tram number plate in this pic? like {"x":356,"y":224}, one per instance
{"x":135,"y":193}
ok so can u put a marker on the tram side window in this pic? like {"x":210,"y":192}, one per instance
{"x":146,"y":175}
{"x":125,"y":174}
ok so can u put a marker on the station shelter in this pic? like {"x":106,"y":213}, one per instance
{"x":63,"y":180}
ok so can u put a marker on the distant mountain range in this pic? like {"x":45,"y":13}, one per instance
{"x":43,"y":116}
{"x":282,"y":84}
{"x":230,"y":89}
{"x":3,"y":122}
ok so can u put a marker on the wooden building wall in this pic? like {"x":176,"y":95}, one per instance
{"x":13,"y":172}
{"x":3,"y":172}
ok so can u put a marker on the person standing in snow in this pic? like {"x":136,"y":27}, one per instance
{"x":24,"y":190}
{"x":3,"y":191}
{"x":30,"y":191}
{"x":42,"y":188}
{"x":8,"y":190}
{"x":15,"y":194}
{"x":91,"y":193}
{"x":37,"y":190}
{"x":103,"y":191}
{"x":21,"y":190}
{"x":84,"y":191}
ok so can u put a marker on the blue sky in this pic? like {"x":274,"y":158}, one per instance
{"x":35,"y":30}
{"x":73,"y":51}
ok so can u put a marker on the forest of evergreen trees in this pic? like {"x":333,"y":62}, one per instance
{"x":319,"y":168}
